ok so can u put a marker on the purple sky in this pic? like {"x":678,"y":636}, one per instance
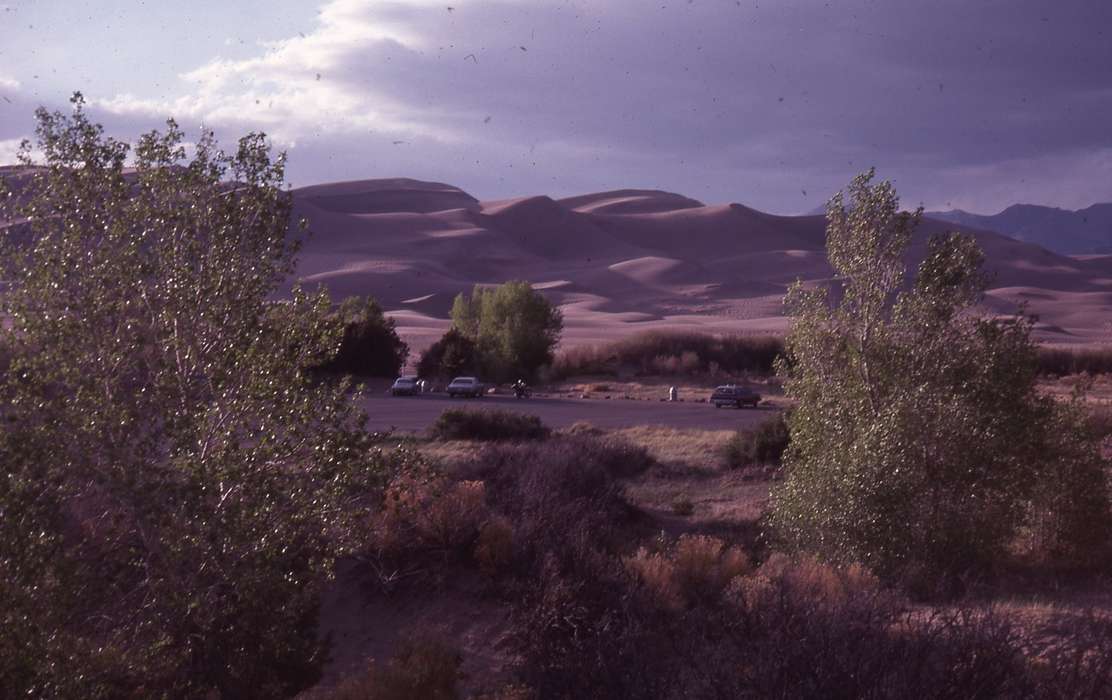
{"x":973,"y":104}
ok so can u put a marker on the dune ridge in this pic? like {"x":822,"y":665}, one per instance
{"x":624,"y":261}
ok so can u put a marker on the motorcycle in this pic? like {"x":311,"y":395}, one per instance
{"x":521,"y":391}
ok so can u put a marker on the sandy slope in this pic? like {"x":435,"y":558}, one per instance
{"x":623,"y":261}
{"x":630,"y":260}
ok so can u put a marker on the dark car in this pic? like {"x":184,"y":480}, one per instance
{"x":405,"y":386}
{"x":733,"y":395}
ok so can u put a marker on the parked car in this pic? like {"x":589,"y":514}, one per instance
{"x":466,"y":386}
{"x":405,"y":386}
{"x":734,"y":395}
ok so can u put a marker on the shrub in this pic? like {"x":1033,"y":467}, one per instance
{"x":683,"y":506}
{"x":424,"y":510}
{"x":698,"y":568}
{"x":763,"y":445}
{"x":695,"y":620}
{"x":659,"y":352}
{"x":464,"y":424}
{"x":494,"y":549}
{"x":557,"y":495}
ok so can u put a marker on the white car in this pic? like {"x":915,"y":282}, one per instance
{"x":405,"y":386}
{"x":466,"y":386}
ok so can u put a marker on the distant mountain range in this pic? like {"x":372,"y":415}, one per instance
{"x":1060,"y":230}
{"x":1085,"y":231}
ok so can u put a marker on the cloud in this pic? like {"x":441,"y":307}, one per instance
{"x":774,"y":104}
{"x":9,"y":149}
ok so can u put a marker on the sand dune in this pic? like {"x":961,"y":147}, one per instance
{"x":624,"y":261}
{"x":629,"y":202}
{"x":392,"y":195}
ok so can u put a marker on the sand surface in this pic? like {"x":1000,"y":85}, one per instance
{"x":625,"y":261}
{"x":632,"y":260}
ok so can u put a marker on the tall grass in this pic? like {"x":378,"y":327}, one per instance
{"x":671,"y":353}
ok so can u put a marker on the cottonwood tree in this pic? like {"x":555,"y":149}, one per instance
{"x":514,"y":326}
{"x":174,"y":488}
{"x":919,"y":440}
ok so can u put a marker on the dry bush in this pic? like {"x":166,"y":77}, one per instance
{"x":583,"y":428}
{"x":760,"y":446}
{"x":694,"y":619}
{"x":1072,"y":657}
{"x":1100,"y":422}
{"x":556,"y":491}
{"x":697,"y":568}
{"x":806,"y":629}
{"x":422,"y":669}
{"x":705,"y":565}
{"x":657,"y":574}
{"x":495,"y":547}
{"x":427,"y":511}
{"x":463,"y":424}
{"x":454,"y":518}
{"x":683,"y":506}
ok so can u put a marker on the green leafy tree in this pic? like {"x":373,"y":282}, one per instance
{"x":453,"y":355}
{"x":515,"y":327}
{"x":919,"y":440}
{"x":370,"y":345}
{"x":175,"y":488}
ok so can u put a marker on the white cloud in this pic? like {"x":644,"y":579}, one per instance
{"x":772,"y":104}
{"x":9,"y":148}
{"x":289,"y":90}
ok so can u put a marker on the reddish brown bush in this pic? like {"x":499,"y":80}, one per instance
{"x":421,"y":510}
{"x":697,"y":568}
{"x":495,"y":547}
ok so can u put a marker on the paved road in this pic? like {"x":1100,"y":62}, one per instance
{"x":416,"y":413}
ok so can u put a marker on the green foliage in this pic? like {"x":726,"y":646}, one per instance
{"x":763,"y":445}
{"x":453,"y":355}
{"x":672,"y":352}
{"x":370,"y":345}
{"x":514,"y":326}
{"x":919,"y":439}
{"x":175,"y":488}
{"x":463,"y":424}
